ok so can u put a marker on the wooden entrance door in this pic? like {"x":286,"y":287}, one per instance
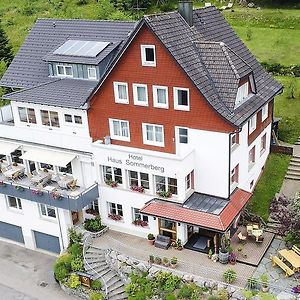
{"x":75,"y":217}
{"x":167,"y":228}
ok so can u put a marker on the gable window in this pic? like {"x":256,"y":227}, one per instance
{"x":181,"y":99}
{"x":50,"y":118}
{"x":121,"y":92}
{"x":264,"y":112}
{"x":242,"y":93}
{"x":183,"y":135}
{"x":92,"y":74}
{"x":251,"y":157}
{"x":148,"y":55}
{"x":47,"y":211}
{"x":164,"y":184}
{"x":252,"y":124}
{"x":112,"y":174}
{"x":63,"y":70}
{"x":263,"y":144}
{"x":138,"y":179}
{"x":119,"y":130}
{"x":27,"y":115}
{"x":140,"y":94}
{"x":115,"y":209}
{"x":160,"y":96}
{"x":153,"y":134}
{"x":14,"y":202}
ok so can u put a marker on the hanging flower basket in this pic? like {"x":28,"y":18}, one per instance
{"x":37,"y":192}
{"x":55,"y":195}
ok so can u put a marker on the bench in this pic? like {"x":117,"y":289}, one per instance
{"x":296,"y":250}
{"x":276,"y":261}
{"x":162,"y":242}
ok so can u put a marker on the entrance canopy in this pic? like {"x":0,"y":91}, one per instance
{"x":7,"y":148}
{"x":54,"y":158}
{"x":219,"y":222}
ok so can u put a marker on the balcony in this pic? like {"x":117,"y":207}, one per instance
{"x":51,"y":194}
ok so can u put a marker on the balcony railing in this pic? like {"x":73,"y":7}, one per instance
{"x":70,"y":200}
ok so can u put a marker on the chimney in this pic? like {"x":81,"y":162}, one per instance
{"x":185,"y":8}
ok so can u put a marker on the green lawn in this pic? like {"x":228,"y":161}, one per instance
{"x":289,"y":110}
{"x":269,"y":184}
{"x":272,"y":45}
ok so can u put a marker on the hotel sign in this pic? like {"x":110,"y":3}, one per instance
{"x":136,"y":161}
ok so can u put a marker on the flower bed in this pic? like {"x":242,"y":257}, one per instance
{"x":95,"y":227}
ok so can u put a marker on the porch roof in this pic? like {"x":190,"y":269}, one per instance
{"x":177,"y":212}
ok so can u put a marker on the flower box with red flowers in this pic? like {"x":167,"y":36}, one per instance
{"x":115,"y":217}
{"x":37,"y":192}
{"x":139,"y":222}
{"x":164,"y":194}
{"x":55,"y":195}
{"x":111,"y":183}
{"x":138,"y":189}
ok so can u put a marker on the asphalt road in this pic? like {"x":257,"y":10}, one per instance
{"x":27,"y":275}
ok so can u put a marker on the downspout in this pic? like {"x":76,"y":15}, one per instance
{"x":60,"y":231}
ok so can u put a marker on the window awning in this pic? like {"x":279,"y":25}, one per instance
{"x":7,"y":148}
{"x":49,"y":157}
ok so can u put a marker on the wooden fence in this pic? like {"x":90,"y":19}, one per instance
{"x":282,"y":149}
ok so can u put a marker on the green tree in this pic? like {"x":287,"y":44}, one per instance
{"x":6,"y":54}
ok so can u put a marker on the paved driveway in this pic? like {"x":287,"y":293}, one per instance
{"x":22,"y":272}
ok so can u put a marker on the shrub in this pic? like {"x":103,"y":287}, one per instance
{"x":61,"y":272}
{"x":151,"y":237}
{"x":73,"y":281}
{"x":77,"y":264}
{"x":293,"y":238}
{"x":96,"y":285}
{"x":252,"y":283}
{"x":76,"y":250}
{"x":170,"y":297}
{"x":167,"y":282}
{"x":223,"y":294}
{"x":229,"y":276}
{"x":74,"y":237}
{"x":185,"y":292}
{"x":96,"y":296}
{"x":93,"y":225}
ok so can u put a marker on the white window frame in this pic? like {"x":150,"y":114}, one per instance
{"x":264,"y":112}
{"x":136,"y":101}
{"x":65,"y":73}
{"x":119,"y":137}
{"x":118,"y":210}
{"x":139,"y":179}
{"x":88,"y":72}
{"x":252,"y":123}
{"x":242,"y":93}
{"x":251,"y":163}
{"x":149,"y":142}
{"x":188,"y":178}
{"x":46,"y":210}
{"x":155,"y":98}
{"x":175,"y":96}
{"x":116,"y":92}
{"x":135,"y":212}
{"x":113,"y":175}
{"x":262,"y":150}
{"x":19,"y":207}
{"x":49,"y":117}
{"x":143,"y":56}
{"x":178,"y":135}
{"x":72,"y":119}
{"x":166,"y":184}
{"x":26,"y":113}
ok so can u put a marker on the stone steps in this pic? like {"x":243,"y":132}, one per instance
{"x":96,"y":265}
{"x":293,"y":172}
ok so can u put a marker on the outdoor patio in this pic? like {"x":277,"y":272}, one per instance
{"x":188,"y":261}
{"x":251,"y":252}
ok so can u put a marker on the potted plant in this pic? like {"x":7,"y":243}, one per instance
{"x":173,"y":262}
{"x":264,"y":280}
{"x":151,"y":258}
{"x":232,"y":258}
{"x":210,"y":253}
{"x":157,"y":260}
{"x":229,"y":276}
{"x":179,"y":244}
{"x":166,"y":262}
{"x":151,"y":239}
{"x":252,"y":283}
{"x":223,"y":251}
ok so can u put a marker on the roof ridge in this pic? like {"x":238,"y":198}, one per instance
{"x":87,"y":20}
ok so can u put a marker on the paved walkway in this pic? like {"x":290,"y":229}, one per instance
{"x":188,"y":261}
{"x":277,"y":279}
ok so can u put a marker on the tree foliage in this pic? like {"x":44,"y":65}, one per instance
{"x":6,"y":54}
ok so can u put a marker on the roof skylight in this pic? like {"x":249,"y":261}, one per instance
{"x":81,"y":48}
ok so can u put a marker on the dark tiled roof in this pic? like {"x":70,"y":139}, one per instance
{"x":213,"y":67}
{"x":79,"y":59}
{"x":221,"y":222}
{"x":29,"y":68}
{"x":206,"y":203}
{"x":69,"y":93}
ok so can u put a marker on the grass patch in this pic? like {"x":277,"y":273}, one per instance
{"x":269,"y":184}
{"x":289,"y":110}
{"x":272,"y":45}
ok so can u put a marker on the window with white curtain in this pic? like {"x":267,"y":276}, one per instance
{"x":121,"y":92}
{"x":153,"y":134}
{"x":119,"y":130}
{"x":140,"y":94}
{"x":160,"y":96}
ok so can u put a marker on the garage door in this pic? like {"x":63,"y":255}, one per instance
{"x":11,"y":232}
{"x":47,"y":242}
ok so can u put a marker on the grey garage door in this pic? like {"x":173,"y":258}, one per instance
{"x":11,"y":232}
{"x":47,"y":242}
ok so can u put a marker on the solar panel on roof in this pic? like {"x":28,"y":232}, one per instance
{"x":81,"y":48}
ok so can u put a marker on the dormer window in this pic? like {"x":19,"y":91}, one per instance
{"x":64,"y":70}
{"x":92,"y":74}
{"x":243,"y":92}
{"x":148,"y":55}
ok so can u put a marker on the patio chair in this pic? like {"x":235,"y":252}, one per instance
{"x":242,"y":238}
{"x":72,"y":185}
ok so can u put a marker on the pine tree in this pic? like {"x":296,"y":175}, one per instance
{"x":6,"y":53}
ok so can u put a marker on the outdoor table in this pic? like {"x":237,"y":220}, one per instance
{"x":13,"y":171}
{"x":64,"y":182}
{"x":292,"y":258}
{"x":50,"y":188}
{"x":42,"y":178}
{"x":257,"y":233}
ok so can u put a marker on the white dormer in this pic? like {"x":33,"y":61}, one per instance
{"x":242,"y":93}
